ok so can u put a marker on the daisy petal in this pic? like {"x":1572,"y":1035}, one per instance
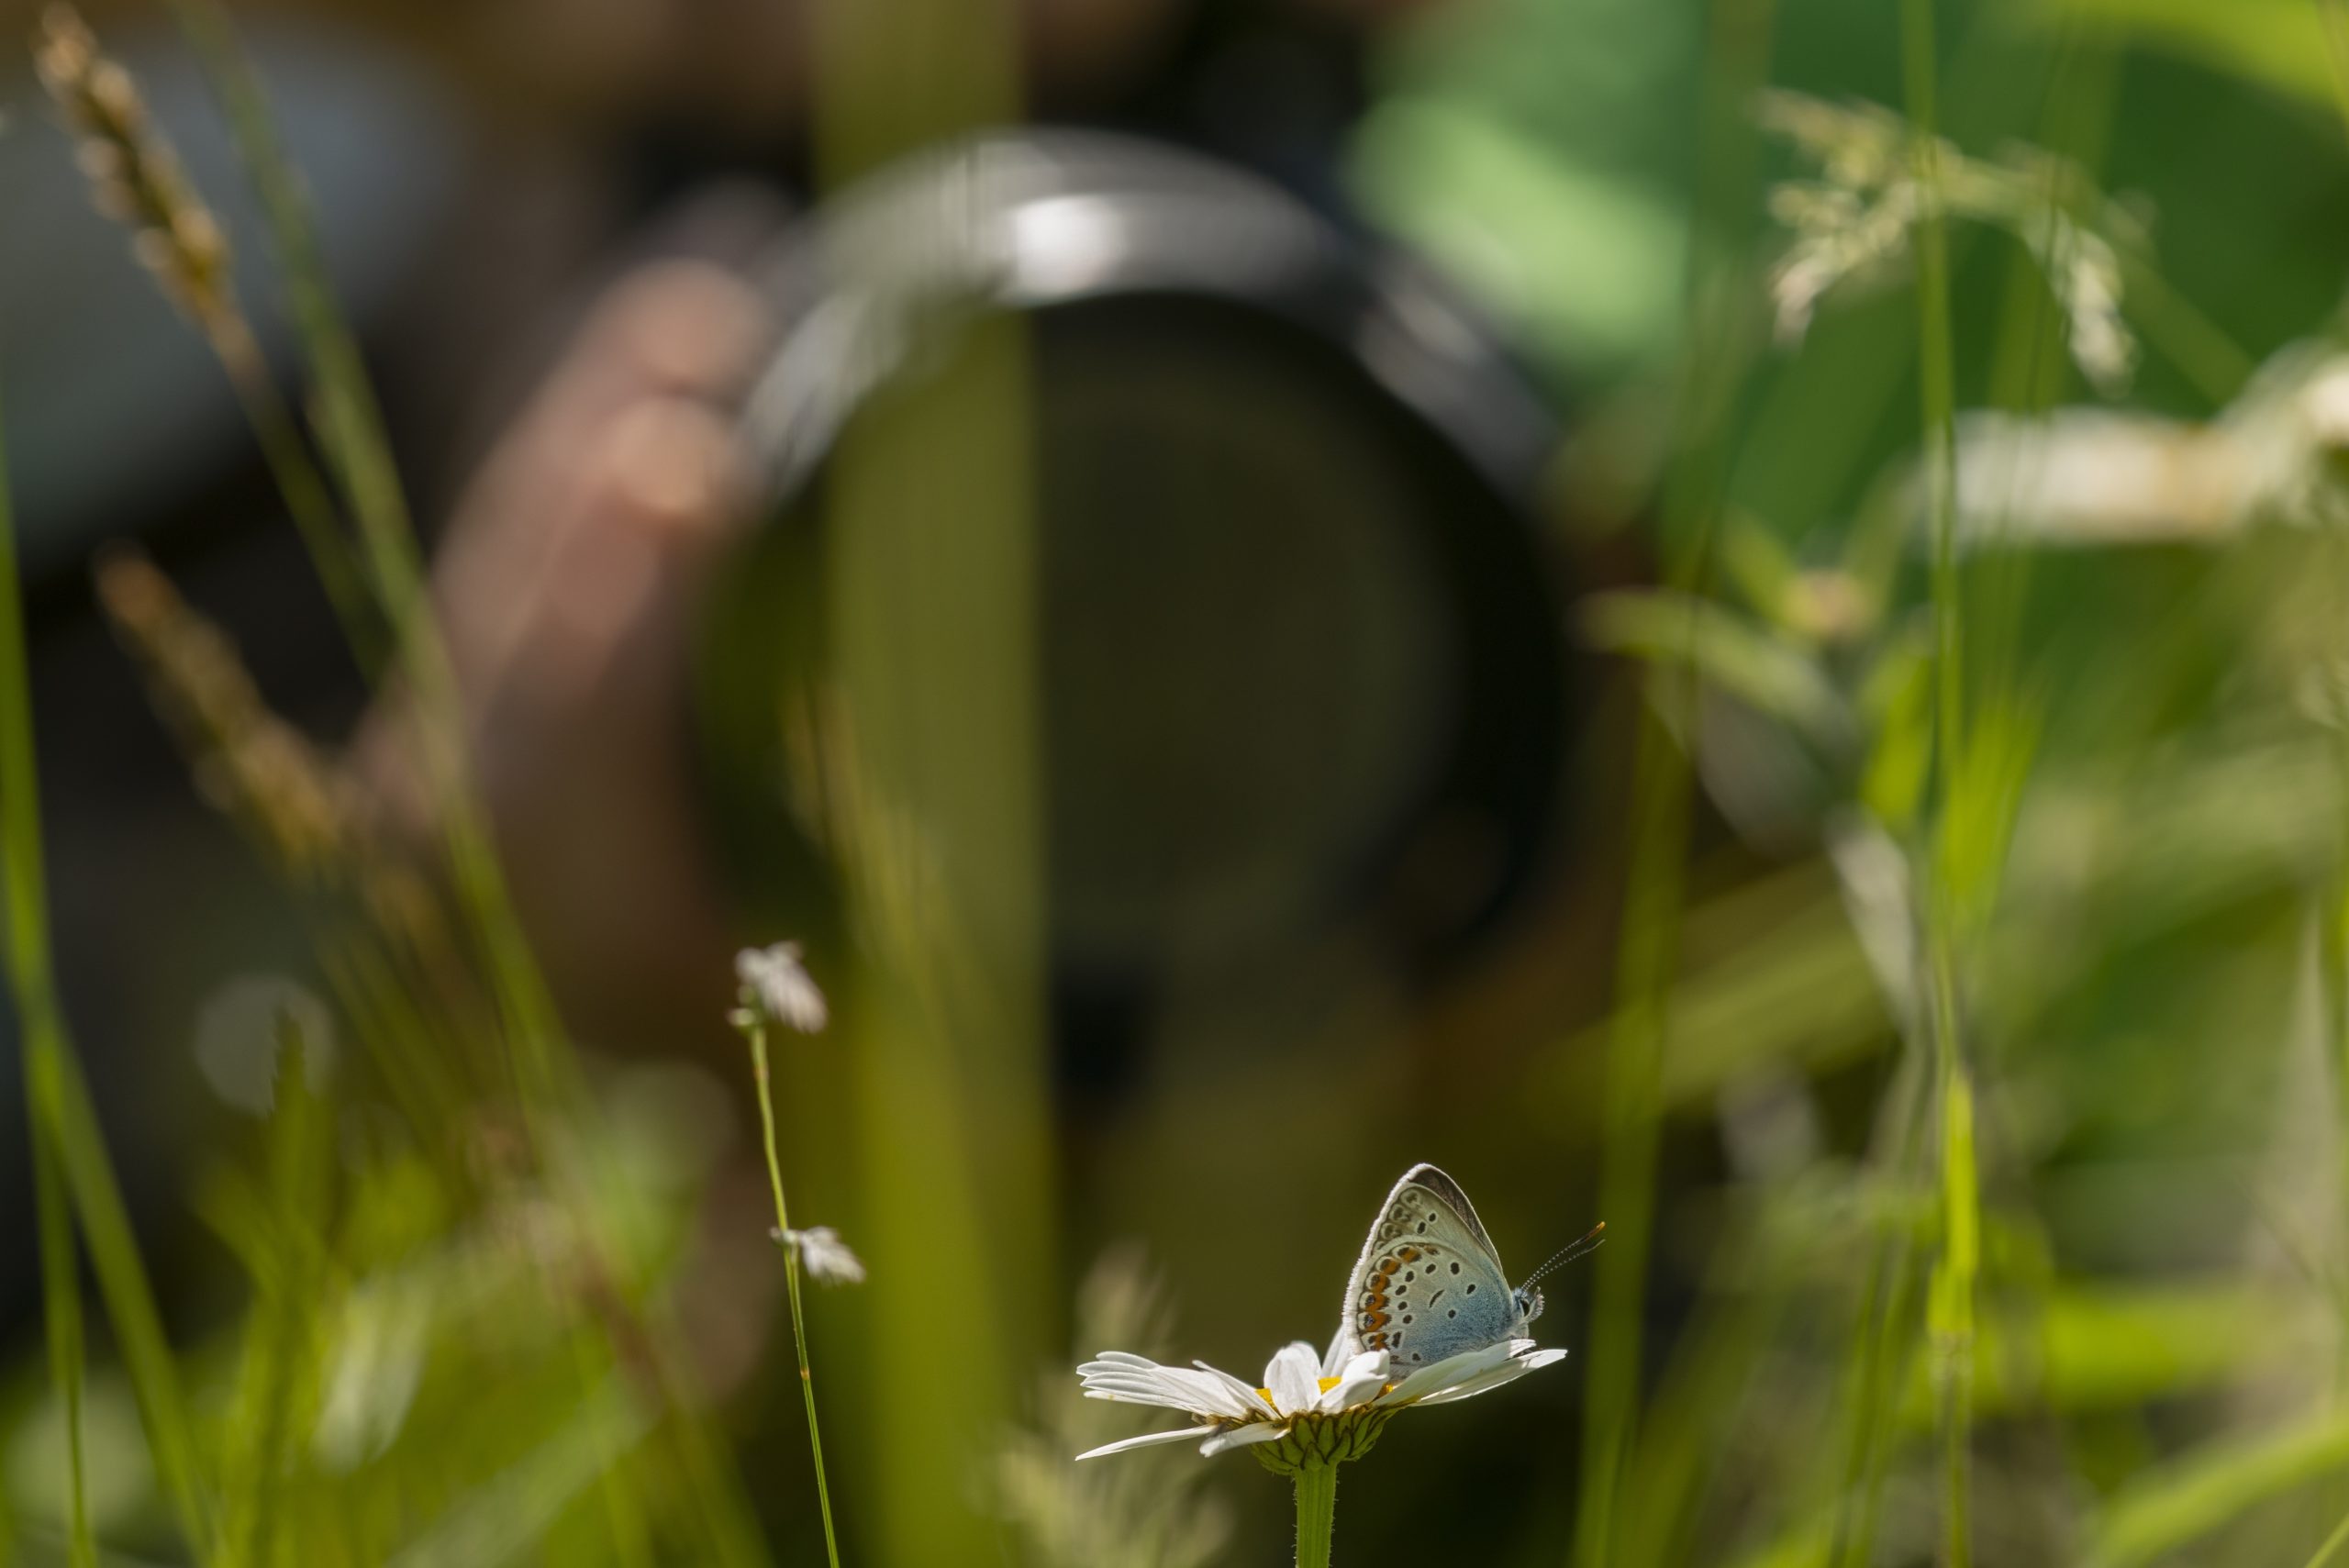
{"x":1247,"y":1403}
{"x":1175,"y":1387}
{"x":1359,"y":1380}
{"x":1147,"y":1440}
{"x":1454,"y":1370}
{"x":1508,"y":1372}
{"x":1240,"y":1437}
{"x":1294,"y":1378}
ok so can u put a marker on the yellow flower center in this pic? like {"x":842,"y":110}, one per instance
{"x":1327,"y":1383}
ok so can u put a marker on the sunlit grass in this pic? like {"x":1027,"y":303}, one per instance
{"x":2034,"y":904}
{"x":75,"y":1178}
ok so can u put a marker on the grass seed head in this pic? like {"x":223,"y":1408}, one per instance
{"x":135,"y":177}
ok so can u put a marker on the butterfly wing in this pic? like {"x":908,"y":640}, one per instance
{"x":1427,"y":1283}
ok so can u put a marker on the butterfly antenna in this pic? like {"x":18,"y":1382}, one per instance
{"x":1567,"y":1254}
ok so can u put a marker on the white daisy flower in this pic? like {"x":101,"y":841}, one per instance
{"x":775,"y":984}
{"x":1326,"y":1409}
{"x":824,"y":1255}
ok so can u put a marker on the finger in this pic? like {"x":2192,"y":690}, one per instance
{"x":679,"y":328}
{"x":663,"y":492}
{"x":674,"y":331}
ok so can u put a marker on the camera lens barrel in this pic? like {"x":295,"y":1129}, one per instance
{"x":1302,"y":671}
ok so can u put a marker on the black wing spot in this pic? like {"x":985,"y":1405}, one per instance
{"x":1455,"y":1268}
{"x":1472,"y":1290}
{"x":1452,"y":1312}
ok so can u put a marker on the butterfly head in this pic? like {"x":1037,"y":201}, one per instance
{"x":1528,"y":1304}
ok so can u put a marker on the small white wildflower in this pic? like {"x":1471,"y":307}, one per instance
{"x":1323,"y":1409}
{"x":824,"y":1255}
{"x":776,"y":986}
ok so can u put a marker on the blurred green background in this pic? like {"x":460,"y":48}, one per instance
{"x":495,"y":1288}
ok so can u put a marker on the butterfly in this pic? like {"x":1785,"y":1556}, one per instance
{"x":1428,"y":1284}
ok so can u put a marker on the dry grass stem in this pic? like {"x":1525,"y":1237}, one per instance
{"x":315,"y":821}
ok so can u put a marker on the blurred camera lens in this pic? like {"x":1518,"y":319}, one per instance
{"x":1302,"y":672}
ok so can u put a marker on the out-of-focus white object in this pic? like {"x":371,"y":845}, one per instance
{"x":247,"y":1028}
{"x":2089,"y":477}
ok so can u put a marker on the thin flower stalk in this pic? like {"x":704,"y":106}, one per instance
{"x":776,"y":988}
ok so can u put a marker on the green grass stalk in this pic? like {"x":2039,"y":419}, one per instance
{"x":2330,"y":1553}
{"x":757,"y":1032}
{"x":61,"y":1283}
{"x":68,"y":1150}
{"x":28,"y":969}
{"x":308,"y":499}
{"x":1886,"y":1300}
{"x":277,"y":1382}
{"x":349,"y":425}
{"x":1720,"y":337}
{"x":350,"y":428}
{"x":2334,"y":18}
{"x":1951,"y":1314}
{"x":1627,"y":1179}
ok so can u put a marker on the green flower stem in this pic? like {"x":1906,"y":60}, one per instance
{"x":1317,"y":1514}
{"x":758,"y":1033}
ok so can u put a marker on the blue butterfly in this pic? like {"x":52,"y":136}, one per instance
{"x":1429,"y":1284}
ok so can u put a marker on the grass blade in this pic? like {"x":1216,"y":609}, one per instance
{"x":69,"y":1149}
{"x":2168,"y":1507}
{"x":350,"y":428}
{"x":1950,"y":1317}
{"x":62,"y":1316}
{"x":1661,"y":779}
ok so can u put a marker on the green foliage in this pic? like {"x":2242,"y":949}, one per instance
{"x":1962,"y":1089}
